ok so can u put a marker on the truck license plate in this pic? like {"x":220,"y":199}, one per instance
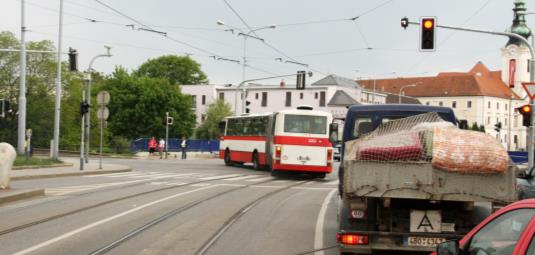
{"x":424,"y":241}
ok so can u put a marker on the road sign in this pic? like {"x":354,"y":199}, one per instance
{"x":530,"y":89}
{"x":103,"y":113}
{"x":103,"y":97}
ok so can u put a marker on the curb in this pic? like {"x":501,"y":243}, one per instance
{"x":37,"y":166}
{"x":44,"y":176}
{"x":24,"y":194}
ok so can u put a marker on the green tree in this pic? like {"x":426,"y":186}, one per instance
{"x":474,"y":127}
{"x":138,"y":106}
{"x":176,"y":69}
{"x":216,"y":111}
{"x":482,"y":128}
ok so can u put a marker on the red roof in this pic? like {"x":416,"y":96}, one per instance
{"x":479,"y":81}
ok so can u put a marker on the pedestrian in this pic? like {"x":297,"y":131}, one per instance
{"x":161,"y":147}
{"x":152,"y":146}
{"x":184,"y":146}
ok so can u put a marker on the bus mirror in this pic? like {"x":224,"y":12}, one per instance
{"x":221,"y":126}
{"x":333,"y":132}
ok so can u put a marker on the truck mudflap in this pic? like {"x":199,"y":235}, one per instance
{"x":376,"y":242}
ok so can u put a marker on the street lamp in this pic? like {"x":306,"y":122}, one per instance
{"x":245,"y":35}
{"x":406,"y":86}
{"x":88,"y":115}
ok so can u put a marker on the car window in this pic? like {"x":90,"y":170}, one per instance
{"x":500,"y":236}
{"x":362,"y":126}
{"x":531,"y":248}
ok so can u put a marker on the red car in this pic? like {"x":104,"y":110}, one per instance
{"x":509,"y":231}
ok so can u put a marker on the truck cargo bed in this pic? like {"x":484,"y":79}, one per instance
{"x":419,"y":180}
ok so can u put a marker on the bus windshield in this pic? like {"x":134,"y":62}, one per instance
{"x":306,"y":124}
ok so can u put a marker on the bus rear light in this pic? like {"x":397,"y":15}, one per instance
{"x":352,"y":239}
{"x":329,"y":154}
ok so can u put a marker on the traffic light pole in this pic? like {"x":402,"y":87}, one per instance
{"x":242,"y":85}
{"x":532,"y":74}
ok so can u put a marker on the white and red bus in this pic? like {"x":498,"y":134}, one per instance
{"x":288,"y":140}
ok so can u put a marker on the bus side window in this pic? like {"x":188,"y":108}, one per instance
{"x":362,"y":126}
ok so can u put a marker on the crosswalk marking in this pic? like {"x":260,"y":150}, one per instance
{"x":242,"y":177}
{"x":219,"y":177}
{"x":260,"y":179}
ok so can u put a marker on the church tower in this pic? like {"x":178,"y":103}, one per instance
{"x":515,"y":54}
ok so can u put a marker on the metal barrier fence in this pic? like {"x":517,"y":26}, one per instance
{"x":142,"y":144}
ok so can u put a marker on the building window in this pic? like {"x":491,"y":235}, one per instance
{"x":506,"y":107}
{"x":505,"y":121}
{"x":203,"y":117}
{"x":222,"y":96}
{"x":469,"y":104}
{"x":288,"y":99}
{"x":497,"y":106}
{"x":528,"y":65}
{"x":203,"y":99}
{"x":497,"y":120}
{"x":322,"y":98}
{"x":264,"y":99}
{"x":316,"y":95}
{"x":454,"y":104}
{"x":515,"y":139}
{"x":427,"y":103}
{"x":488,"y":120}
{"x":440,"y":103}
{"x":256,"y":96}
{"x":194,"y":101}
{"x":515,"y":122}
{"x":489,"y":104}
{"x":301,"y":95}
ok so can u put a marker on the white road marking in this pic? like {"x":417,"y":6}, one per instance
{"x":100,"y":222}
{"x":318,"y":238}
{"x":331,"y":182}
{"x":72,"y":189}
{"x":260,"y":179}
{"x":200,"y":185}
{"x":219,"y":177}
{"x":242,"y":177}
{"x":176,"y":183}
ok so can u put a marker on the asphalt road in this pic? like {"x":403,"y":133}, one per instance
{"x":174,"y":207}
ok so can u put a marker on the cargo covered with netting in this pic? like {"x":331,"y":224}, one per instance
{"x":425,"y":157}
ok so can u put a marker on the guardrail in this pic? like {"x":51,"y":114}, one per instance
{"x":142,"y":144}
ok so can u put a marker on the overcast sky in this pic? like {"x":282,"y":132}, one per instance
{"x":318,"y":33}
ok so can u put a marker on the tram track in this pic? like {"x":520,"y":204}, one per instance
{"x":206,"y":246}
{"x":100,"y":204}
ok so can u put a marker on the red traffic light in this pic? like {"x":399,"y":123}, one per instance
{"x":525,"y":109}
{"x":428,"y":23}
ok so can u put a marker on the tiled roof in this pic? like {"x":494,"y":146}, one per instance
{"x":394,"y":99}
{"x":479,"y":81}
{"x":341,"y":98}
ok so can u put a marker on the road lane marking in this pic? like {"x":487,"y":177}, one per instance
{"x":100,"y":222}
{"x":260,"y":179}
{"x":200,"y":185}
{"x":219,"y":177}
{"x":242,"y":177}
{"x":318,"y":238}
{"x":72,"y":189}
{"x":331,"y":182}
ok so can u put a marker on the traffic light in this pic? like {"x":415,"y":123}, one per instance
{"x":73,"y":60}
{"x":427,"y":34}
{"x":525,"y":110}
{"x":84,"y":108}
{"x":247,"y":109}
{"x":498,"y":127}
{"x":300,"y":84}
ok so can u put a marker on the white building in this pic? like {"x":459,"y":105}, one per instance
{"x":332,"y":94}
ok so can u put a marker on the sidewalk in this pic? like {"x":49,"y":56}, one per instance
{"x":178,"y":155}
{"x":72,"y":168}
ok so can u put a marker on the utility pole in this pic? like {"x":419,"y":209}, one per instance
{"x":532,"y":74}
{"x":21,"y":136}
{"x":57,"y":109}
